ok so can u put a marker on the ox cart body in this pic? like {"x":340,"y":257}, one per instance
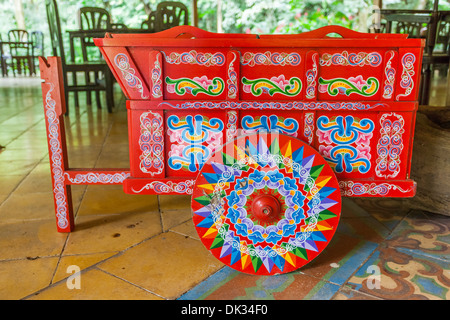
{"x":266,"y":133}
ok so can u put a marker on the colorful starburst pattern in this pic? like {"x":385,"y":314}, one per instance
{"x":266,"y":204}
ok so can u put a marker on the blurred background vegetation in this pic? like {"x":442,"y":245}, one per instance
{"x":234,"y":16}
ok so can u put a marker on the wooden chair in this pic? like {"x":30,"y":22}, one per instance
{"x":37,"y":40}
{"x":150,"y":23}
{"x":170,"y":14}
{"x":4,"y":57}
{"x":92,"y":18}
{"x":21,"y":51}
{"x":74,"y":68}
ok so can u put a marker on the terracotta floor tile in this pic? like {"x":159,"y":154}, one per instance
{"x":21,"y":153}
{"x":83,"y":156}
{"x":110,"y":199}
{"x":27,"y":206}
{"x":168,"y":265}
{"x":77,"y":141}
{"x":8,"y":134}
{"x":171,"y":218}
{"x":111,"y":233}
{"x":81,"y":261}
{"x":18,"y":167}
{"x":112,"y":160}
{"x":9,"y":183}
{"x":30,"y":239}
{"x":25,"y":141}
{"x":95,"y":285}
{"x":39,"y":180}
{"x":20,"y":278}
{"x":187,"y":228}
{"x":174,"y":202}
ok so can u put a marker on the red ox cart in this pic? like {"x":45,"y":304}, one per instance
{"x":265,"y":132}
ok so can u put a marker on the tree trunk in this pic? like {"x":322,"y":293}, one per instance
{"x":219,"y":16}
{"x":430,"y":166}
{"x":18,"y":12}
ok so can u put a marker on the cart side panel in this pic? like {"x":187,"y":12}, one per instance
{"x":350,"y":74}
{"x":285,"y":122}
{"x":272,"y":74}
{"x":147,"y":144}
{"x":393,"y":145}
{"x":195,"y":74}
{"x":191,"y":137}
{"x":347,"y":141}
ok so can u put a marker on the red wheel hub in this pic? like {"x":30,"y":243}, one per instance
{"x":266,"y":208}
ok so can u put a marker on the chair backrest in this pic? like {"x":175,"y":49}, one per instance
{"x":18,"y":35}
{"x":443,"y":34}
{"x":150,"y":23}
{"x":94,"y":18}
{"x":118,"y":26}
{"x":55,"y":30}
{"x":37,"y":38}
{"x":170,"y":14}
{"x":18,"y":49}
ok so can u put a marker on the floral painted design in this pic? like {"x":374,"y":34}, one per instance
{"x":272,"y":86}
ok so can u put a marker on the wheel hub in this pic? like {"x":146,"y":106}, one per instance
{"x":266,"y":208}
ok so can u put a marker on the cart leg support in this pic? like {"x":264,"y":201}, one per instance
{"x":63,"y":176}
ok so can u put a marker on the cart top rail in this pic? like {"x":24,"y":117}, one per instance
{"x":182,"y":36}
{"x":187,"y":63}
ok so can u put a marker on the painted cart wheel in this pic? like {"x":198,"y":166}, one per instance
{"x":266,"y":204}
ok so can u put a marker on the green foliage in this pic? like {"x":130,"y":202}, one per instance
{"x":238,"y":16}
{"x":313,"y":14}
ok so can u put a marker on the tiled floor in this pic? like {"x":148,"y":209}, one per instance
{"x":145,"y":247}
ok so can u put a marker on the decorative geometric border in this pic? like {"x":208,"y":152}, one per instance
{"x":311,"y":76}
{"x":161,"y":187}
{"x":389,"y":72}
{"x":122,"y":63}
{"x":270,"y":59}
{"x":390,"y":145}
{"x":193,"y":57}
{"x":308,"y":131}
{"x":151,"y":142}
{"x":292,"y":105}
{"x":156,"y":80}
{"x":407,"y":82}
{"x":361,"y":59}
{"x":379,"y":189}
{"x":56,"y":158}
{"x":97,"y":178}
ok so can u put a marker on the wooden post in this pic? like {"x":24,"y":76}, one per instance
{"x":195,"y":12}
{"x":55,"y":107}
